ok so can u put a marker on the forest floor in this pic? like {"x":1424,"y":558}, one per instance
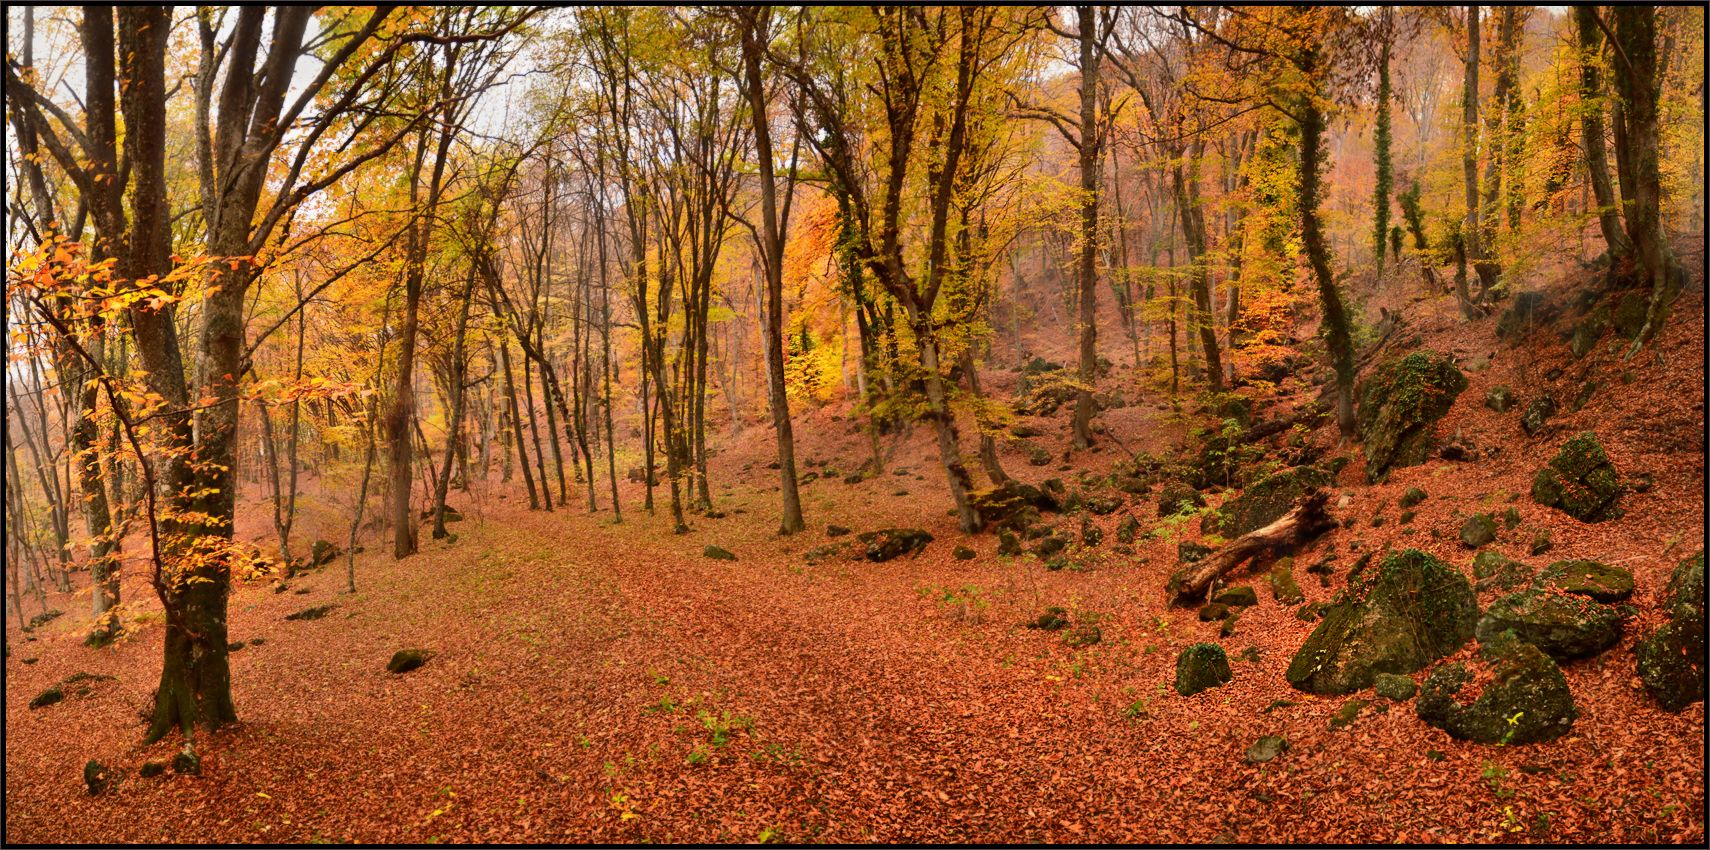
{"x":600,"y":682}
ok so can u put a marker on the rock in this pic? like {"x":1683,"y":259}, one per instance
{"x":718,"y":553}
{"x":1237,"y":597}
{"x":1037,"y":455}
{"x":1347,"y":714}
{"x":1528,"y":308}
{"x":1526,"y":699}
{"x":1406,"y":517}
{"x":1177,"y":497}
{"x":1091,"y":534}
{"x":1478,"y":530}
{"x":1265,"y":501}
{"x":1499,"y":399}
{"x":1410,"y":497}
{"x":187,"y":763}
{"x":43,"y":619}
{"x":1585,"y":335}
{"x":1101,"y":505}
{"x":96,"y":778}
{"x":1400,"y":406}
{"x":888,"y":543}
{"x":1127,"y":529}
{"x":1189,"y":551}
{"x":1048,"y":547}
{"x":1022,"y":429}
{"x":1496,"y":571}
{"x":1213,"y":611}
{"x":1283,"y":586}
{"x":152,"y":768}
{"x":963,"y":553}
{"x":1201,"y":667}
{"x":48,"y":697}
{"x":451,"y":514}
{"x":1511,"y":518}
{"x":1008,"y":543}
{"x":1537,"y":414}
{"x":405,"y":660}
{"x":1541,"y":542}
{"x":1266,"y":748}
{"x":1595,"y":579}
{"x":835,"y":530}
{"x":322,"y":553}
{"x":819,"y":554}
{"x":1081,"y":636}
{"x":1564,"y":626}
{"x":1012,"y":505}
{"x":638,"y":474}
{"x":314,"y":613}
{"x":1393,"y":687}
{"x":1053,"y":619}
{"x":1411,"y":611}
{"x":1228,"y":627}
{"x":1585,"y":393}
{"x":1643,"y":482}
{"x":1671,"y":661}
{"x":1580,"y":481}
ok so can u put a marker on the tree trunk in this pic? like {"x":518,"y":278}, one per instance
{"x":1306,"y":520}
{"x":1335,"y":329}
{"x":1640,"y":89}
{"x":1474,"y":229}
{"x":1591,"y":131}
{"x":1087,"y":270}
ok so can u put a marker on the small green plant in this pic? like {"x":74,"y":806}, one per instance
{"x":1493,"y":774}
{"x":697,"y":756}
{"x":966,"y":603}
{"x":1513,"y":726}
{"x":665,"y":705}
{"x":721,"y":725}
{"x":1137,"y":710}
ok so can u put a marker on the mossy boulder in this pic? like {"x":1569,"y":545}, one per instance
{"x":1671,"y":661}
{"x":1393,"y":687}
{"x":1265,"y":501}
{"x":888,"y":543}
{"x":1201,"y":667}
{"x":1213,"y":611}
{"x":1478,"y":530}
{"x":49,"y":696}
{"x":1629,"y":313}
{"x":1410,"y":611}
{"x":96,"y":778}
{"x":1399,"y":408}
{"x":963,"y":553}
{"x":1580,"y":481}
{"x":1537,"y":415}
{"x":1411,"y":497}
{"x":1266,"y":748}
{"x":1560,"y":624}
{"x":1525,"y":700}
{"x":322,"y":553}
{"x":1053,"y":619}
{"x":718,"y":553}
{"x":835,"y":530}
{"x":1594,"y":579}
{"x":1237,"y":597}
{"x":405,"y":660}
{"x":1127,"y":529}
{"x":1012,"y":504}
{"x":1283,"y":586}
{"x":1493,"y":570}
{"x":1499,"y":399}
{"x":1176,"y":497}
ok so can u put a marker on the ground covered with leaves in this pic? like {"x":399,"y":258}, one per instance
{"x":598,"y":682}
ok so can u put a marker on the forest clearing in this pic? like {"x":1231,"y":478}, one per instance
{"x":910,"y":424}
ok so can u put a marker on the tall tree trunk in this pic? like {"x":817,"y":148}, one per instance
{"x":1087,"y":269}
{"x":1591,"y":132}
{"x":1640,"y":89}
{"x":1381,"y":141}
{"x":454,"y":423}
{"x":1473,"y":232}
{"x":1335,"y":331}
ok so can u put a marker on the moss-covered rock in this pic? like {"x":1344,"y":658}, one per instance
{"x":1580,"y":481}
{"x":1671,"y":661}
{"x":1564,"y":626}
{"x":49,"y":696}
{"x":1201,"y":667}
{"x":1499,"y":399}
{"x":1528,"y":309}
{"x":1052,"y":619}
{"x":322,"y":553}
{"x":963,"y":553}
{"x":1283,"y":586}
{"x":718,"y":553}
{"x":1478,"y":530}
{"x":1127,"y":529}
{"x":888,"y":543}
{"x":1526,"y":699}
{"x":1237,"y":597}
{"x":405,"y":660}
{"x":1081,"y":636}
{"x":1537,"y":415}
{"x":1594,"y":579}
{"x":1493,"y":570}
{"x":96,"y":778}
{"x":1399,"y":408}
{"x":1393,"y":687}
{"x":1410,"y":611}
{"x":1411,"y":497}
{"x":1176,"y":497}
{"x":1265,"y":501}
{"x":1212,"y":612}
{"x":1266,"y":748}
{"x":1012,"y":504}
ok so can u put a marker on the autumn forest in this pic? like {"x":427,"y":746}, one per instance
{"x":897,"y":424}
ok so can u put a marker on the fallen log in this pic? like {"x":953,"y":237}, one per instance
{"x":1306,"y":520}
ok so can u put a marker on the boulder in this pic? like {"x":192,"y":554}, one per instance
{"x":1265,"y":501}
{"x":963,"y":553}
{"x":1201,"y":667}
{"x":1177,"y":497}
{"x":1012,"y":504}
{"x":1526,"y":698}
{"x":1008,"y":543}
{"x":1629,"y":314}
{"x":1022,"y":429}
{"x":1091,"y":534}
{"x":322,"y":553}
{"x":1081,"y":636}
{"x":1537,"y":415}
{"x":1671,"y":660}
{"x":1127,"y":529}
{"x":96,"y":777}
{"x":888,"y":543}
{"x":835,"y":530}
{"x":42,"y":619}
{"x":1409,"y":612}
{"x":1499,"y":399}
{"x":1497,"y":571}
{"x":1266,"y":748}
{"x":47,"y":697}
{"x":1399,"y":408}
{"x":1053,"y":619}
{"x":1048,"y":547}
{"x":1237,"y":597}
{"x":718,"y":553}
{"x":1595,"y":579}
{"x":1411,"y":497}
{"x":1564,"y":626}
{"x":1213,"y":611}
{"x":1190,"y":551}
{"x":152,"y":768}
{"x":1101,"y":505}
{"x":405,"y":660}
{"x":1478,"y":530}
{"x":1580,"y":481}
{"x":1393,"y":687}
{"x":1283,"y":586}
{"x":314,"y":613}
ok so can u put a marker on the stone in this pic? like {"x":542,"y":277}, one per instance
{"x":1213,"y":611}
{"x":1177,"y":497}
{"x":96,"y":778}
{"x":1022,"y":429}
{"x":1541,"y":542}
{"x":1525,"y":700}
{"x":1012,"y":505}
{"x":1266,"y":748}
{"x":1048,"y":547}
{"x":1283,"y":586}
{"x":1399,"y":408}
{"x":314,"y":613}
{"x":1410,"y":611}
{"x":322,"y":552}
{"x":1406,"y":517}
{"x":1594,"y":579}
{"x":1478,"y":530}
{"x":1101,"y":505}
{"x":820,"y":554}
{"x":718,"y":553}
{"x":963,"y":553}
{"x":1127,"y":529}
{"x":43,"y":619}
{"x":1495,"y":571}
{"x":1537,"y":414}
{"x":1091,"y":534}
{"x":1265,"y":501}
{"x":888,"y":543}
{"x":1393,"y":687}
{"x":1051,"y":620}
{"x":1580,"y":481}
{"x":1629,"y":315}
{"x":1499,"y":399}
{"x":152,"y":768}
{"x":1564,"y":626}
{"x":1189,"y":551}
{"x":1081,"y":636}
{"x":48,"y":697}
{"x":1008,"y":543}
{"x":187,"y":763}
{"x":1585,"y":335}
{"x":1671,"y":660}
{"x":1201,"y":667}
{"x":1585,"y":393}
{"x":1228,"y":627}
{"x":1347,"y":714}
{"x":405,"y":660}
{"x":1411,"y":497}
{"x":1037,"y":455}
{"x":1511,"y":518}
{"x":1528,"y":308}
{"x":1237,"y":597}
{"x":835,"y":530}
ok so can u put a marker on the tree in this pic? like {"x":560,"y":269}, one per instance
{"x":1592,"y":130}
{"x":1639,"y":87}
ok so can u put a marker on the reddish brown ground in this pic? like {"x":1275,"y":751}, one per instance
{"x":582,"y":667}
